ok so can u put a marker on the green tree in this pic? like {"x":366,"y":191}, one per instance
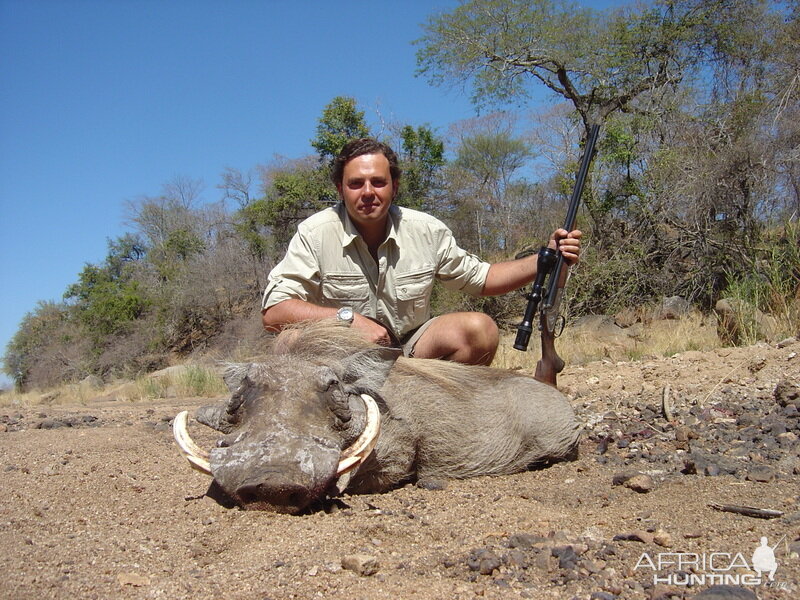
{"x":38,"y":329}
{"x":293,"y":190}
{"x":683,"y":89}
{"x":107,"y":298}
{"x":621,"y":168}
{"x":601,"y":62}
{"x":124,"y":252}
{"x":421,"y":159}
{"x":486,"y":173}
{"x":341,"y":121}
{"x":169,"y":258}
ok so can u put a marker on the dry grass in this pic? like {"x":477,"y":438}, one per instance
{"x":72,"y":393}
{"x":190,"y":381}
{"x":577,"y":346}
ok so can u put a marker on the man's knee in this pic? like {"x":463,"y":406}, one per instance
{"x":481,"y":328}
{"x":470,"y":338}
{"x":481,"y":338}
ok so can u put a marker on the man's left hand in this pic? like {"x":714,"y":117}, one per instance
{"x":568,"y":243}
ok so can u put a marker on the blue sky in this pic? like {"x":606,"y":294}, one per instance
{"x":105,"y":101}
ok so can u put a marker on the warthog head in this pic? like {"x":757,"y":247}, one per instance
{"x":292,"y":427}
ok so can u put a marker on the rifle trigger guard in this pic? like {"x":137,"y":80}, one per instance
{"x":559,"y":326}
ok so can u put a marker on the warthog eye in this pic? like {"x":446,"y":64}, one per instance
{"x":331,"y":383}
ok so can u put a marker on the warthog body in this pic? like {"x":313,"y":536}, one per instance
{"x":291,"y":415}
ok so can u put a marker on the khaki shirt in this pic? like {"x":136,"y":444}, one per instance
{"x":328,"y":264}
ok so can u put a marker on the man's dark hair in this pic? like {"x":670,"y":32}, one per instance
{"x":359,"y":147}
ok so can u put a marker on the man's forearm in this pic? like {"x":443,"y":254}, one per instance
{"x":504,"y":277}
{"x":293,"y":311}
{"x":511,"y":275}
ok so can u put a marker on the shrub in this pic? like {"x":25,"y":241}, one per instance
{"x":200,"y":381}
{"x":771,"y":285}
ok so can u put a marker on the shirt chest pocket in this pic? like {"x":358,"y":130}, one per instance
{"x":345,"y":286}
{"x":415,"y":285}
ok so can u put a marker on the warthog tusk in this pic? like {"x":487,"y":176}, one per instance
{"x":196,"y":456}
{"x":355,"y":454}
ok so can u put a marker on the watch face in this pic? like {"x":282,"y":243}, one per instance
{"x":345,"y":314}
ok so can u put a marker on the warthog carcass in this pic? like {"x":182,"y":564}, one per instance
{"x":326,"y":412}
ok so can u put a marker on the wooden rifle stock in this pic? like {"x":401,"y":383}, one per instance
{"x":551,"y":364}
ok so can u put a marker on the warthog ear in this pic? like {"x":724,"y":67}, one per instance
{"x":368,"y":369}
{"x":222,"y":416}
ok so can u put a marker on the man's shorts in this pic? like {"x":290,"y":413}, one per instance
{"x":411,"y":339}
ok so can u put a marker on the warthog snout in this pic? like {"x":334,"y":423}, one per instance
{"x":278,"y":471}
{"x":289,"y":496}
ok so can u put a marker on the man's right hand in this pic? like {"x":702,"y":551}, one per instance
{"x":373,"y":331}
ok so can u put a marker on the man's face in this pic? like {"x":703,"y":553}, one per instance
{"x":367,"y":190}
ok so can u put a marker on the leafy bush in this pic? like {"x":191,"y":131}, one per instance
{"x":771,"y":286}
{"x":39,"y":330}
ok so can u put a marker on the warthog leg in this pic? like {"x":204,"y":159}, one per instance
{"x":351,"y":457}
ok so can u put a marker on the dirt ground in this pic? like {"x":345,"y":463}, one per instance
{"x":98,"y":503}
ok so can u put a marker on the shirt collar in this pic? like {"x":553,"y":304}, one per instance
{"x":392,"y":223}
{"x":350,"y":233}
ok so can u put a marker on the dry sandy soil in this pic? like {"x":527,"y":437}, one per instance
{"x":98,"y":503}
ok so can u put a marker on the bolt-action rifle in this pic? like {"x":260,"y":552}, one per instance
{"x":545,"y":288}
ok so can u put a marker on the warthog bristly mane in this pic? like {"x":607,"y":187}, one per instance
{"x":328,"y":340}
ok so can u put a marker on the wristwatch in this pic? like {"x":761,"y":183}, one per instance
{"x":345,"y":315}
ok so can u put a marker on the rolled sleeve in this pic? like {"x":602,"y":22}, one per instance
{"x":459,"y":269}
{"x":295,"y":277}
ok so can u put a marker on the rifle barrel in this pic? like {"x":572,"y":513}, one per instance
{"x":580,"y":180}
{"x":572,"y":213}
{"x":550,"y":262}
